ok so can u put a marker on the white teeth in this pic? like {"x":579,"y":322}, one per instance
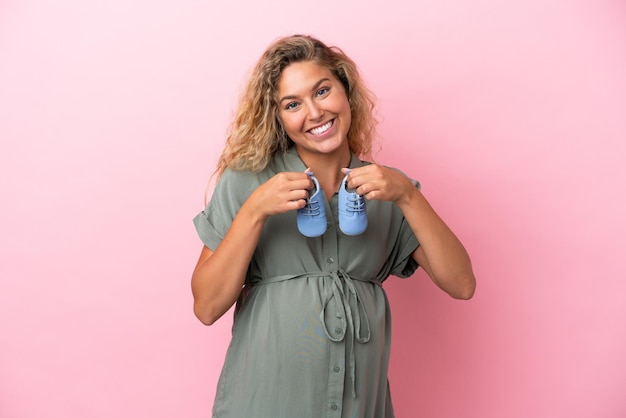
{"x":321,"y":129}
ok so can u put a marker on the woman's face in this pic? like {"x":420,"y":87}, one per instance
{"x":314,"y":109}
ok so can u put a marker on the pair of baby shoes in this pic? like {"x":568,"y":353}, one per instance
{"x":352,"y":215}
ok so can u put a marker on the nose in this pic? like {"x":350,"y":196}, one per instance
{"x":315,"y":111}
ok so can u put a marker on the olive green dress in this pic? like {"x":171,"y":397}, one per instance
{"x":312,"y":338}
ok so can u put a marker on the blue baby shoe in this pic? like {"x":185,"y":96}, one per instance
{"x":352,"y":214}
{"x":312,"y":217}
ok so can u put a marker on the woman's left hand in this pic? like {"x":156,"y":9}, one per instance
{"x":376,"y":182}
{"x":440,"y":253}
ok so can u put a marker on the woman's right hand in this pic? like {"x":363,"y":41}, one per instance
{"x":282,"y":193}
{"x":219,"y":275}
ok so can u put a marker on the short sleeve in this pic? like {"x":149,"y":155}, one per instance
{"x":231,"y":191}
{"x":404,"y":264}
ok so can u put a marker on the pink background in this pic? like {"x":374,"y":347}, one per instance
{"x":512,"y":114}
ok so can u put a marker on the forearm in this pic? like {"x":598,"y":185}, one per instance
{"x":218,"y":279}
{"x":442,"y":255}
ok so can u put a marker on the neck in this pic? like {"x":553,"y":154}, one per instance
{"x":327,"y":170}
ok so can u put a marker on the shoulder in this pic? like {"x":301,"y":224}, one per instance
{"x":248,"y":180}
{"x":236,"y":179}
{"x":234,"y":186}
{"x":243,"y":182}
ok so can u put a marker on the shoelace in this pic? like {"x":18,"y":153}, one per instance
{"x":355,"y":203}
{"x":310,"y":209}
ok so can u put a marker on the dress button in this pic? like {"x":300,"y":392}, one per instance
{"x":337,"y":330}
{"x":337,"y":369}
{"x":334,"y":407}
{"x":327,"y":224}
{"x":330,"y":260}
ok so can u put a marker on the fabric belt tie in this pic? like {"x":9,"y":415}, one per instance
{"x":349,"y":308}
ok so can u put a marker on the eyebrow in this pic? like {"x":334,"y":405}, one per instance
{"x":315,"y":87}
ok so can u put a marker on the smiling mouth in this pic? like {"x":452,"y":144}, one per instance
{"x":321,"y":129}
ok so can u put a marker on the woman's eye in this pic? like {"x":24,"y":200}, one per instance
{"x":322,"y":91}
{"x":291,"y":106}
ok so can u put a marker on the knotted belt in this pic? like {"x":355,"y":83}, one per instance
{"x":349,"y":308}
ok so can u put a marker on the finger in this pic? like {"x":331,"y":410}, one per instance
{"x":292,"y":175}
{"x":357,"y":179}
{"x":304,"y":184}
{"x":298,"y":194}
{"x":297,"y":204}
{"x":364,"y":189}
{"x":300,"y":203}
{"x":290,"y":183}
{"x":360,"y":174}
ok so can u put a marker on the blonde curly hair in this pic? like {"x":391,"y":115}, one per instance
{"x":256,"y":133}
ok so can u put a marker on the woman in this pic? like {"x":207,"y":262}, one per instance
{"x":311,"y":334}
